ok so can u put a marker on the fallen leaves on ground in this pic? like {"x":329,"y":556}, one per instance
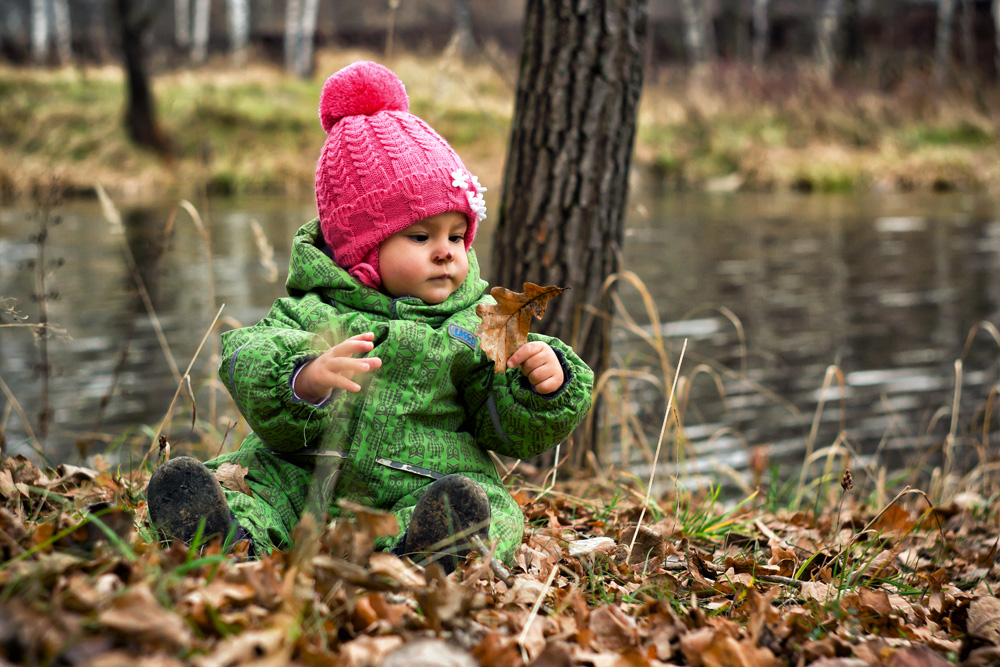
{"x":781,"y":588}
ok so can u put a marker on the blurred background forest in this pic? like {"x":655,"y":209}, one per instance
{"x":812,"y":208}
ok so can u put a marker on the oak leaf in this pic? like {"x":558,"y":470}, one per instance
{"x":232,"y":476}
{"x":505,"y":325}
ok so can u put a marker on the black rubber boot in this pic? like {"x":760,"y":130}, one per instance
{"x":181,"y":494}
{"x":452,"y":510}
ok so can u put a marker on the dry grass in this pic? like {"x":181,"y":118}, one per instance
{"x":255,"y":131}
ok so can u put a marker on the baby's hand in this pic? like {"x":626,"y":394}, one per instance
{"x":334,"y":369}
{"x":540,"y":365}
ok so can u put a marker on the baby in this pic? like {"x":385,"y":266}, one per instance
{"x":367,"y":383}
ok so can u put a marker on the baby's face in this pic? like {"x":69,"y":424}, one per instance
{"x":427,"y":259}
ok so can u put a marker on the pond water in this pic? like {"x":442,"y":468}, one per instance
{"x":769,"y":292}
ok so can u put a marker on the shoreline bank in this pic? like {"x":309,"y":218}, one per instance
{"x":255,"y":131}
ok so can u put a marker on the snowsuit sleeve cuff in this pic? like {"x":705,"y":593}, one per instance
{"x":291,"y":383}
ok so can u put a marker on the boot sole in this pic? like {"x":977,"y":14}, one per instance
{"x":183,"y":492}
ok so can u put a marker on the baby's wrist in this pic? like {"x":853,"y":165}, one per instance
{"x":303,"y":388}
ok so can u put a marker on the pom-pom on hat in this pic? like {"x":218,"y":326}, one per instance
{"x":382,"y":169}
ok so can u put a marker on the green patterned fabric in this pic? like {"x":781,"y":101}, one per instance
{"x":432,"y":409}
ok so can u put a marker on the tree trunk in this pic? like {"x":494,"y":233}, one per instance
{"x":732,"y":39}
{"x":239,"y":29}
{"x":199,"y":35}
{"x":293,"y":33}
{"x":39,"y":32}
{"x":996,"y":34}
{"x":462,"y":40}
{"x":852,"y":48}
{"x":826,"y":29}
{"x":182,"y":23}
{"x":696,"y":34}
{"x":62,"y":31}
{"x":304,"y":63}
{"x":135,"y":22}
{"x":942,"y":42}
{"x":761,"y":32}
{"x":560,"y":219}
{"x":969,"y":35}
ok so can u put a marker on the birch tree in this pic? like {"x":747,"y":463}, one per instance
{"x":304,"y":64}
{"x":826,"y":29}
{"x":698,"y":33}
{"x":462,"y":39}
{"x":300,"y":34}
{"x":238,"y":12}
{"x":39,"y":32}
{"x":199,"y":33}
{"x":942,"y":41}
{"x":293,"y":33}
{"x":62,"y":30}
{"x":761,"y":31}
{"x":182,"y":23}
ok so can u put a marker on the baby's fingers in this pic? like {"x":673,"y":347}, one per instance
{"x":524,"y":353}
{"x":354,"y":345}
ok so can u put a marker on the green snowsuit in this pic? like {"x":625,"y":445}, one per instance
{"x":432,"y":409}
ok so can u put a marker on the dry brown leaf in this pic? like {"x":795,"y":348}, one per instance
{"x":713,"y":647}
{"x":137,"y":614}
{"x":614,"y":630}
{"x":505,"y":325}
{"x":496,"y":650}
{"x":917,"y":656}
{"x":895,"y":519}
{"x":391,"y":566}
{"x":815,"y":590}
{"x":873,"y":601}
{"x":984,"y":619}
{"x":428,"y":652}
{"x":258,"y":646}
{"x":232,"y":476}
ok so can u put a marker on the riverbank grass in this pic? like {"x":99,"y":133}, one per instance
{"x":256,"y":131}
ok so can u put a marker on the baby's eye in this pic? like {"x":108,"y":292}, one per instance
{"x":456,"y":238}
{"x":419,"y":238}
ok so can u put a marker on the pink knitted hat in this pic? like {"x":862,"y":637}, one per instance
{"x":382,"y":169}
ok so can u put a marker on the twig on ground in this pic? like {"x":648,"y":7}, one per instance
{"x":502,"y":573}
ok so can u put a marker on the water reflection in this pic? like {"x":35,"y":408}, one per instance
{"x":770,"y":292}
{"x":884,"y":288}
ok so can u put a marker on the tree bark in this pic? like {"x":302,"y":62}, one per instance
{"x":761,"y":32}
{"x":462,"y":40}
{"x":182,"y":23}
{"x":136,"y":19}
{"x":199,"y":33}
{"x":969,"y":35}
{"x":304,"y":63}
{"x":561,"y":212}
{"x":697,"y":24}
{"x":996,"y":34}
{"x":62,"y":31}
{"x":239,"y":29}
{"x":293,"y":33}
{"x":942,"y":42}
{"x":39,"y":32}
{"x":732,"y":37}
{"x":826,"y":29}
